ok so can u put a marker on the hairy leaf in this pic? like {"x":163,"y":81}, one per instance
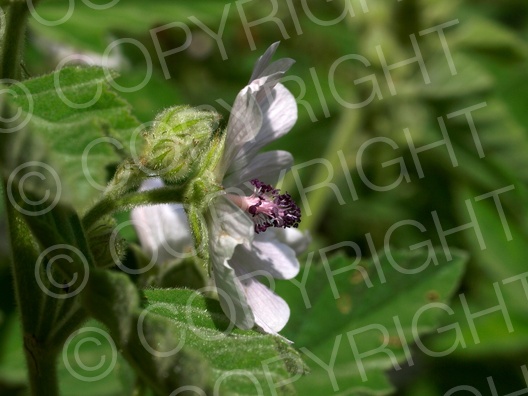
{"x":243,"y":362}
{"x":77,"y":128}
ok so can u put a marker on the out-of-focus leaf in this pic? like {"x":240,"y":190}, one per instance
{"x":89,"y":364}
{"x":504,"y":141}
{"x":87,"y":27}
{"x":158,"y":93}
{"x":368,"y":317}
{"x":470,"y":78}
{"x":500,"y":262}
{"x":489,"y":37}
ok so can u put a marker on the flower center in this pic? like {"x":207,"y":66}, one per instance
{"x":269,"y":208}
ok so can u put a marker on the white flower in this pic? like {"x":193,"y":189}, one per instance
{"x":243,"y":246}
{"x":162,"y":229}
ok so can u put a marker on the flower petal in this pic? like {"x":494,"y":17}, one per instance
{"x":231,"y":294}
{"x":271,"y":312}
{"x":263,"y":111}
{"x":266,"y":256}
{"x":244,"y":125}
{"x":228,"y":228}
{"x":228,"y":225}
{"x":263,"y":67}
{"x":278,"y":68}
{"x":267,"y":167}
{"x":279,"y":114}
{"x":151,"y":184}
{"x":297,"y":240}
{"x":163,"y":230}
{"x":264,"y":61}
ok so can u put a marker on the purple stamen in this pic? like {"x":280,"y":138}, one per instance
{"x":269,"y":208}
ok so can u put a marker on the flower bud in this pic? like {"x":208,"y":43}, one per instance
{"x":176,"y":143}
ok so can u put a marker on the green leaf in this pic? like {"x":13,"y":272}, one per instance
{"x":24,"y":253}
{"x":243,"y":362}
{"x":505,"y":244}
{"x":64,"y":263}
{"x":369,"y":309}
{"x":78,"y":126}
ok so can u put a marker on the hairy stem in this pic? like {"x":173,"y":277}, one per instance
{"x":110,"y":205}
{"x":42,"y":367}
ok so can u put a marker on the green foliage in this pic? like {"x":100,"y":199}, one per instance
{"x":381,"y":307}
{"x":242,"y":362}
{"x":88,"y":27}
{"x":78,"y":126}
{"x":357,"y":326}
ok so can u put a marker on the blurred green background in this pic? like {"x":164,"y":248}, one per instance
{"x":475,"y":57}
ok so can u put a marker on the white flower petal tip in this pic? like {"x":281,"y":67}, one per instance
{"x":163,"y":230}
{"x":279,"y":110}
{"x":263,"y":111}
{"x":270,"y":73}
{"x":263,"y":61}
{"x":271,"y":312}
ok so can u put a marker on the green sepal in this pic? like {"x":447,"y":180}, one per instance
{"x":127,"y":178}
{"x":211,"y":158}
{"x":200,"y":193}
{"x":199,"y":231}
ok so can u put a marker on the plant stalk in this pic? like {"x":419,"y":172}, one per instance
{"x":12,"y":40}
{"x":40,"y":357}
{"x":42,"y":367}
{"x":109,"y":205}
